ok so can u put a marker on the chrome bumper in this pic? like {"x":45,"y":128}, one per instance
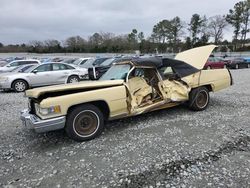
{"x":33,"y":122}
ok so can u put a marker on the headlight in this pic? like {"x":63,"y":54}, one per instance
{"x":50,"y":110}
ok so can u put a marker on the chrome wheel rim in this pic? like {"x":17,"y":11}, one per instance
{"x":86,"y":123}
{"x":73,"y":80}
{"x":202,"y":99}
{"x":20,"y":86}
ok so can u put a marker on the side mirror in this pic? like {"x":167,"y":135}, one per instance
{"x":35,"y":71}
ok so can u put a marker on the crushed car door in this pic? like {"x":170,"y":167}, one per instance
{"x":143,"y":90}
{"x":172,"y":87}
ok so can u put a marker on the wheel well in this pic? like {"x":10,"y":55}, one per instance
{"x":73,"y":75}
{"x":102,"y":105}
{"x":21,"y":80}
{"x":209,"y":87}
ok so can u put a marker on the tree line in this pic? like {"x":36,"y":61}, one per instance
{"x":171,"y":35}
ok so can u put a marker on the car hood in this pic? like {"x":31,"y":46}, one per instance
{"x":35,"y":93}
{"x":197,"y":57}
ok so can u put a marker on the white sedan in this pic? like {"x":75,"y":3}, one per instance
{"x":42,"y":75}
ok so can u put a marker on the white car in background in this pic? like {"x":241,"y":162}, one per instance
{"x":81,"y":61}
{"x":42,"y":75}
{"x":13,"y":64}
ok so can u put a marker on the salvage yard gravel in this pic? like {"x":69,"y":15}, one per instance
{"x":174,"y":147}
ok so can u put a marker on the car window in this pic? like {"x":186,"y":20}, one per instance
{"x":116,"y":72}
{"x":166,"y":71}
{"x":23,"y":69}
{"x":14,"y":64}
{"x":57,"y":67}
{"x":44,"y":68}
{"x":69,"y":67}
{"x":83,"y":61}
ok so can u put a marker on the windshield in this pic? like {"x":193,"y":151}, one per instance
{"x":77,"y":62}
{"x":116,"y":72}
{"x":99,"y":61}
{"x":69,"y":61}
{"x":107,"y":62}
{"x":3,"y":63}
{"x":88,"y":63}
{"x":30,"y":69}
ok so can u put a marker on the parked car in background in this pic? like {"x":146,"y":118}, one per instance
{"x":57,"y":59}
{"x":45,"y":60}
{"x":19,"y":69}
{"x":69,"y":60}
{"x":96,"y":72}
{"x":88,"y":63}
{"x":42,"y":75}
{"x":12,"y":65}
{"x":9,"y":59}
{"x":237,"y":63}
{"x":93,"y":62}
{"x":215,"y":63}
{"x":3,"y":62}
{"x":80,"y":61}
{"x":247,"y":60}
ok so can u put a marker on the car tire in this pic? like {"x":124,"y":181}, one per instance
{"x":209,"y":67}
{"x":84,"y":122}
{"x":73,"y":79}
{"x":248,"y":65}
{"x":199,"y":99}
{"x":225,"y":66}
{"x":237,"y":66}
{"x":19,"y":85}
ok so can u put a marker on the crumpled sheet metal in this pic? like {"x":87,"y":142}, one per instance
{"x":139,"y":90}
{"x":175,"y":91}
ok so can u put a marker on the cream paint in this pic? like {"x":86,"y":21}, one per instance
{"x":197,"y":57}
{"x":35,"y":93}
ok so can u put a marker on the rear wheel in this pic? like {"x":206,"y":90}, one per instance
{"x":19,"y":85}
{"x":199,"y":99}
{"x":73,"y":79}
{"x":84,"y":122}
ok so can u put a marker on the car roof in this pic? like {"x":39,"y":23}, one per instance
{"x":180,"y":67}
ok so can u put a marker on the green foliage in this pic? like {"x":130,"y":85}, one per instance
{"x":196,"y":27}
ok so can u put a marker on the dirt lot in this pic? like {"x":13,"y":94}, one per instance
{"x":169,"y":148}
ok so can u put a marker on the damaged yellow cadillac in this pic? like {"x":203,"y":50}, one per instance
{"x":128,"y":88}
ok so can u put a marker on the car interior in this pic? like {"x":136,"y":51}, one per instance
{"x":143,"y":86}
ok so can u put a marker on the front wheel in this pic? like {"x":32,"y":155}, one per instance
{"x":209,"y":67}
{"x":199,"y":99}
{"x":84,"y":122}
{"x":20,"y":85}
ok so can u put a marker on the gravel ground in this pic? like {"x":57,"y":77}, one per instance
{"x":168,"y":148}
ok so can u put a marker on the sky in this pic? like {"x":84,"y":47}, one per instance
{"x":22,"y":21}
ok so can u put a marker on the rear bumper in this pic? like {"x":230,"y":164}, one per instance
{"x":31,"y":121}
